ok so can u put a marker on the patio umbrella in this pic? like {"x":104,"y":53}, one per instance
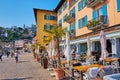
{"x":50,"y":49}
{"x":67,"y":50}
{"x":103,"y":45}
{"x":38,"y":49}
{"x":88,"y":47}
{"x":53,"y":50}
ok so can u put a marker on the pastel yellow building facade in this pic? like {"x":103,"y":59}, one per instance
{"x":45,"y":19}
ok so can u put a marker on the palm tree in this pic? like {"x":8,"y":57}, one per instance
{"x":57,"y":32}
{"x":47,"y":39}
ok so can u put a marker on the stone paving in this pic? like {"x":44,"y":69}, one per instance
{"x":25,"y":69}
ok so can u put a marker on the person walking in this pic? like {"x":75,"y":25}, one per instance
{"x":0,"y":55}
{"x":7,"y":53}
{"x":12,"y":53}
{"x":16,"y":56}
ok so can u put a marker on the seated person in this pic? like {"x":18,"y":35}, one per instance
{"x":78,"y":63}
{"x":73,"y":55}
{"x":91,"y":59}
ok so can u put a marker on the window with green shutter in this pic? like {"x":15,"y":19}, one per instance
{"x":45,"y":27}
{"x":51,"y":26}
{"x":45,"y":17}
{"x":51,"y":17}
{"x":48,"y":27}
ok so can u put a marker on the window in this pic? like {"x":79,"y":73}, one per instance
{"x":48,"y":27}
{"x":65,"y":16}
{"x":118,"y":5}
{"x":72,"y":11}
{"x":101,"y":11}
{"x":79,"y":23}
{"x":60,"y":11}
{"x":47,"y":17}
{"x":98,"y":12}
{"x":82,"y":22}
{"x":83,"y":47}
{"x":97,"y":47}
{"x":73,"y":27}
{"x":60,"y":22}
{"x":53,"y":17}
{"x":66,"y":29}
{"x":72,"y":2}
{"x":50,"y":17}
{"x":81,"y":4}
{"x":65,"y":5}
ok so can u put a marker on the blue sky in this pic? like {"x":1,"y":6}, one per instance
{"x":19,"y":12}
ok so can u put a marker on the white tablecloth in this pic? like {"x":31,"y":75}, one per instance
{"x":112,"y":77}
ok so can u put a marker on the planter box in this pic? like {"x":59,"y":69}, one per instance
{"x":70,"y":18}
{"x":93,"y":3}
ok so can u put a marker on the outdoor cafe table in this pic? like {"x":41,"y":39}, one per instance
{"x":84,"y":68}
{"x":111,"y":59}
{"x":65,"y":62}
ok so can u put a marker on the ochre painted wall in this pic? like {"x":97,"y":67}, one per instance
{"x":40,"y":25}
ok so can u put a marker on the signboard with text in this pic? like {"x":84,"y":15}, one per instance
{"x":19,"y":43}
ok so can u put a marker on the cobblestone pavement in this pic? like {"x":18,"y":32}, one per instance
{"x":25,"y":69}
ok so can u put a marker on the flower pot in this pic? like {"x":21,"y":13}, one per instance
{"x":59,"y":73}
{"x":45,"y":62}
{"x":38,"y":59}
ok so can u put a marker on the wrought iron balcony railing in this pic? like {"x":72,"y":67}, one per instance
{"x":73,"y":2}
{"x":72,"y":34}
{"x":70,"y":18}
{"x":97,"y":22}
{"x":93,"y":3}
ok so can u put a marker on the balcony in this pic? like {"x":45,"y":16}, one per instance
{"x":72,"y":34}
{"x":93,"y":3}
{"x":70,"y":18}
{"x":72,"y":2}
{"x":97,"y":23}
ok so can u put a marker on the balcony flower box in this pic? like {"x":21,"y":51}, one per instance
{"x":97,"y":23}
{"x":93,"y":3}
{"x":70,"y":18}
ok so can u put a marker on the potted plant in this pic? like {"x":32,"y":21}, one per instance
{"x":92,"y":24}
{"x":58,"y":32}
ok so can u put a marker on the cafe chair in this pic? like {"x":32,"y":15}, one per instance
{"x":91,"y":73}
{"x":116,"y":66}
{"x":107,"y":70}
